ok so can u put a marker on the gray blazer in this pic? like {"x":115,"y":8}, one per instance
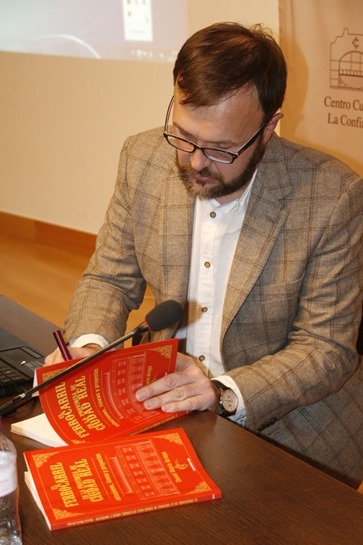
{"x":294,"y":295}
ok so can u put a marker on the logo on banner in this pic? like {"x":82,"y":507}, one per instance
{"x":346,"y":61}
{"x":346,"y":75}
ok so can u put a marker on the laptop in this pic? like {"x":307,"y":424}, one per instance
{"x":18,"y":361}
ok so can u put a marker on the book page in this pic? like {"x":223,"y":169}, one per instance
{"x":38,"y":428}
{"x":97,"y":400}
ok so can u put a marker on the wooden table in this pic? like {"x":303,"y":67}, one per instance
{"x":269,"y":496}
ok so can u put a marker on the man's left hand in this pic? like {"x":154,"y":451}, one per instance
{"x":187,"y":389}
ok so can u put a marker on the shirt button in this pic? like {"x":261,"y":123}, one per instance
{"x":204,"y":309}
{"x":207,"y":264}
{"x":201,"y":358}
{"x":212,"y":214}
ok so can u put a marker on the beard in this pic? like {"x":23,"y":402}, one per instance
{"x":221,"y":188}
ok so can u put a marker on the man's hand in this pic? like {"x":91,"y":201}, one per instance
{"x":187,"y":389}
{"x":56,"y":356}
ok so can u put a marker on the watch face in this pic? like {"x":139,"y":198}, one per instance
{"x":229,"y":401}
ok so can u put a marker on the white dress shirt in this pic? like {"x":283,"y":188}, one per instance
{"x":215,"y":235}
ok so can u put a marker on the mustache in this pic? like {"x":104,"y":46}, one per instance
{"x":188,"y":170}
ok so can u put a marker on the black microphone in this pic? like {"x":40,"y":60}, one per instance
{"x":164,"y":315}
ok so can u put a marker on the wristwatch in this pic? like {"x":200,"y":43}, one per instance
{"x":228,"y":401}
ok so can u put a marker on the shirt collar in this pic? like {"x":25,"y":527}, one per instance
{"x":233,"y":207}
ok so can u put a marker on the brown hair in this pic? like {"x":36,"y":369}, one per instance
{"x":223,"y":58}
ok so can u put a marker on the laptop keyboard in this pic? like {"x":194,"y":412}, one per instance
{"x":14,"y":381}
{"x":18,"y":362}
{"x":7,"y":375}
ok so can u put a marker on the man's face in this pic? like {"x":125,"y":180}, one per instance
{"x":227,"y":125}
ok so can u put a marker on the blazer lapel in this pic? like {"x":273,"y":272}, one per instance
{"x":176,"y":228}
{"x":265,"y":216}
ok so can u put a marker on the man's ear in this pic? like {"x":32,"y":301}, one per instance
{"x":270,"y":127}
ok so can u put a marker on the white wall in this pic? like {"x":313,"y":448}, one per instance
{"x":63,"y":121}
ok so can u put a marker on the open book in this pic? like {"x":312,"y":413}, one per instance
{"x":76,"y":485}
{"x":97,"y":401}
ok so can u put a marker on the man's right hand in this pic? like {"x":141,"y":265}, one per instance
{"x":76,"y":353}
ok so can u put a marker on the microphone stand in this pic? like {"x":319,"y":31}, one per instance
{"x":26,"y":396}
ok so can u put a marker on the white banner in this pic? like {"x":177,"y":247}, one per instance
{"x":323,"y":44}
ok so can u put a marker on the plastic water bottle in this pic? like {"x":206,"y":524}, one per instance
{"x":10,"y":529}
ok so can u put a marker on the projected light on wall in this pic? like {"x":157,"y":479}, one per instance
{"x":148,"y":30}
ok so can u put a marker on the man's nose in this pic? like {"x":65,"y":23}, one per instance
{"x":198,"y":160}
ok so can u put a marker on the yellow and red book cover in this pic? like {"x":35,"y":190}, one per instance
{"x":97,"y":401}
{"x":75,"y":485}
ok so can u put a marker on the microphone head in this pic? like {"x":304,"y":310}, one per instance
{"x":164,"y":315}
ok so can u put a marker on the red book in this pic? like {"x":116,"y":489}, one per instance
{"x":75,"y":485}
{"x":97,"y":401}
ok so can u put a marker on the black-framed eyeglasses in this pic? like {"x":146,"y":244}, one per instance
{"x":213,"y":154}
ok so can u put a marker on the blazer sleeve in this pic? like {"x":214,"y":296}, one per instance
{"x":112,"y":284}
{"x":319,"y":355}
